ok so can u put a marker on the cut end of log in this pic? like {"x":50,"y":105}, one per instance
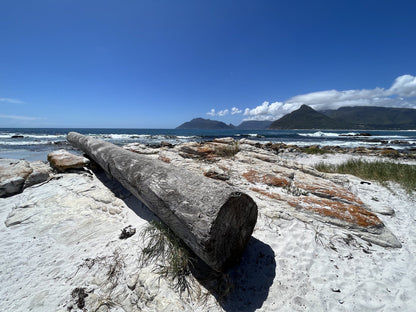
{"x":232,"y":230}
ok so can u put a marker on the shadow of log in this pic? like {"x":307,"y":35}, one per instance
{"x":128,"y":198}
{"x":250,"y":280}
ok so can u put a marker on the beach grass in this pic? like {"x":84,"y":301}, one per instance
{"x":176,"y":263}
{"x":173,"y":259}
{"x":380,"y":171}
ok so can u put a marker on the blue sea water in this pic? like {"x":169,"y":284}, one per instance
{"x":36,"y":143}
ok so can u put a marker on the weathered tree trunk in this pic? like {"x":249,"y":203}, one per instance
{"x":213,"y":219}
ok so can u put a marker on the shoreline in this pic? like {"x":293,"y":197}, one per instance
{"x":408,"y":155}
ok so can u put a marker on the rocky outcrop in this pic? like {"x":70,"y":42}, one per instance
{"x":41,"y":172}
{"x":213,"y":219}
{"x":16,"y":175}
{"x":283,"y":187}
{"x":62,"y":160}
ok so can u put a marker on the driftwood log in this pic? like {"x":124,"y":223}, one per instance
{"x":213,"y":219}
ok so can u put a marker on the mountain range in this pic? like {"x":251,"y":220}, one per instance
{"x":358,"y":117}
{"x":201,"y":123}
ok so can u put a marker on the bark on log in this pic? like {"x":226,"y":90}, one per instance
{"x":213,"y":219}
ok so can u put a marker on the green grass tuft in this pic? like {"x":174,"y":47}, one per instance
{"x":173,"y":259}
{"x":379,"y":171}
{"x":176,"y":263}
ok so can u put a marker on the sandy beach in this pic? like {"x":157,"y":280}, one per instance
{"x":60,"y":242}
{"x":207,"y":156}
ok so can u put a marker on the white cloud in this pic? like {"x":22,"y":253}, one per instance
{"x":265,"y":111}
{"x":211,"y":112}
{"x":222,"y":113}
{"x":402,"y":93}
{"x":235,"y":110}
{"x":15,"y":117}
{"x":11,"y":101}
{"x":404,"y":86}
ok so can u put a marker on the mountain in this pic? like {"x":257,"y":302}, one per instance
{"x":307,"y":118}
{"x":372,"y":117}
{"x":201,"y":123}
{"x":254,"y":125}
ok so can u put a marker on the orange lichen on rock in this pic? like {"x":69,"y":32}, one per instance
{"x":268,"y":194}
{"x":165,"y":159}
{"x":206,"y":150}
{"x":253,"y":176}
{"x":351,"y":213}
{"x":197,"y":151}
{"x":330,"y":191}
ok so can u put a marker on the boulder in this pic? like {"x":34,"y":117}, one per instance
{"x":63,"y":160}
{"x":227,"y":140}
{"x":13,"y":174}
{"x":41,"y":172}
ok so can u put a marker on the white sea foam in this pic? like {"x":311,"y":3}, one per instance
{"x":6,"y":135}
{"x":23,"y":143}
{"x":45,"y":136}
{"x":346,"y":144}
{"x":320,"y":134}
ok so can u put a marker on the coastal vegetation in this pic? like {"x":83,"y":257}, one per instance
{"x":380,"y":171}
{"x":173,"y":258}
{"x":176,"y":263}
{"x":316,"y":150}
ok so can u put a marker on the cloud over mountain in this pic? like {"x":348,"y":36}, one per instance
{"x":224,"y":112}
{"x":402,"y":93}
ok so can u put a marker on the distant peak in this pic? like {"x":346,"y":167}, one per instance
{"x":305,"y":107}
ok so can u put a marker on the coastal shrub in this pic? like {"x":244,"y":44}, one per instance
{"x":315,"y":150}
{"x":380,"y":171}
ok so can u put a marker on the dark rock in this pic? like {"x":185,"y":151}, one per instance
{"x":356,"y":134}
{"x":127,"y":232}
{"x":398,"y":142}
{"x":79,"y":295}
{"x":166,"y":144}
{"x":215,"y":175}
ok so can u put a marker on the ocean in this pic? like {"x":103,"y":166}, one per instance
{"x":35,"y":143}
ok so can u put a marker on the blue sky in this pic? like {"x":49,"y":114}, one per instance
{"x":157,"y":64}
